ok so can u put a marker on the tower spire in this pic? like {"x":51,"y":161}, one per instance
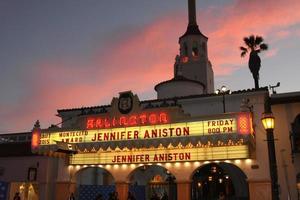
{"x":192,"y":28}
{"x":192,"y":12}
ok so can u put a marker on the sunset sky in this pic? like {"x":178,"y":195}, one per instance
{"x":57,"y":54}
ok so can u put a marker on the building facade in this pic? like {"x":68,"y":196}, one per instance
{"x":190,"y":143}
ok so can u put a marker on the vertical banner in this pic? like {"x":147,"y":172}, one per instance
{"x":3,"y":190}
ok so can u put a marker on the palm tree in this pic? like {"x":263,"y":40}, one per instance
{"x":254,"y":45}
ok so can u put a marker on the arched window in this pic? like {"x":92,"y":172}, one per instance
{"x":295,"y":135}
{"x":185,"y":49}
{"x":195,"y":50}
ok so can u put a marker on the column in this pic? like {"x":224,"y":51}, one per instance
{"x":184,"y":190}
{"x":64,"y":189}
{"x":259,"y":190}
{"x":122,"y":188}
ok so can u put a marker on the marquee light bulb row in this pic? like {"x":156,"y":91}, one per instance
{"x":209,"y":144}
{"x":167,"y":165}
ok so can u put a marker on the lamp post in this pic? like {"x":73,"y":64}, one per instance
{"x":223,"y":91}
{"x":268,"y":123}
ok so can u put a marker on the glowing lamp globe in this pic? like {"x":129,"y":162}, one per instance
{"x":268,"y":121}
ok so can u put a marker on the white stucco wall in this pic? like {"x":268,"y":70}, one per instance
{"x":178,"y":89}
{"x":284,"y":115}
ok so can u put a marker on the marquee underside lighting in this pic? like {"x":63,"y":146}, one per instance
{"x":162,"y":155}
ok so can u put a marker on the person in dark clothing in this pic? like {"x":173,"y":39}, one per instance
{"x":99,"y":197}
{"x":71,"y":197}
{"x":155,"y":197}
{"x":130,"y":196}
{"x":165,"y":196}
{"x":17,"y":196}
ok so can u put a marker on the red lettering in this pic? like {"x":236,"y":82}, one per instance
{"x":106,"y":123}
{"x":98,"y":123}
{"x":146,"y":134}
{"x":123,"y":121}
{"x":133,"y":120}
{"x":136,"y":134}
{"x":143,"y":119}
{"x":147,"y":158}
{"x":163,"y":118}
{"x":114,"y":122}
{"x":152,"y":119}
{"x":90,"y":123}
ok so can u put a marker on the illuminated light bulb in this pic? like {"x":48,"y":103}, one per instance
{"x":124,"y":166}
{"x":227,"y":177}
{"x":77,"y":167}
{"x":159,"y":164}
{"x":168,"y":164}
{"x":177,"y":164}
{"x":140,"y":165}
{"x":116,"y":166}
{"x":217,"y":161}
{"x":214,"y":169}
{"x":206,"y":162}
{"x":220,"y":180}
{"x":248,"y":161}
{"x":199,"y":184}
{"x":210,"y":178}
{"x":84,"y":165}
{"x":92,"y":165}
{"x":132,"y":166}
{"x":70,"y":167}
{"x":227,"y":161}
{"x":237,"y":161}
{"x":197,"y":163}
{"x":108,"y":166}
{"x":187,"y":164}
{"x":100,"y":165}
{"x":223,"y":88}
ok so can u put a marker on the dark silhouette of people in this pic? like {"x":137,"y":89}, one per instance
{"x":99,"y":197}
{"x":113,"y":196}
{"x":72,"y":197}
{"x":155,"y":197}
{"x":221,"y":196}
{"x":17,"y":196}
{"x":165,"y":196}
{"x":130,"y":196}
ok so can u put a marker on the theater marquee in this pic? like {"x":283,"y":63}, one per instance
{"x":239,"y":123}
{"x":162,"y":155}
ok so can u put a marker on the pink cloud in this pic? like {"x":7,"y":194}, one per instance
{"x":271,"y":53}
{"x":270,"y":19}
{"x":283,"y":34}
{"x":146,"y":57}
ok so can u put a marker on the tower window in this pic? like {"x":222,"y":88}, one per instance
{"x":195,"y":51}
{"x":185,"y":49}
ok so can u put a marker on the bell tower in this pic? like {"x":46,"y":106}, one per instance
{"x":193,"y":71}
{"x":193,"y":62}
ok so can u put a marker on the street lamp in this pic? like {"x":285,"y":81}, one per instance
{"x":223,"y":91}
{"x":268,"y":123}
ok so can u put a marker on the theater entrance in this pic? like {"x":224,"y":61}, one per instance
{"x":92,"y":182}
{"x":152,"y":181}
{"x":219,"y":181}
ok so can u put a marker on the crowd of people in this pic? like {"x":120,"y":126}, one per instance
{"x":114,"y":196}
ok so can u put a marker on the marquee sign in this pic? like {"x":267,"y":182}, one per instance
{"x":239,"y":123}
{"x":127,"y":120}
{"x":162,"y":155}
